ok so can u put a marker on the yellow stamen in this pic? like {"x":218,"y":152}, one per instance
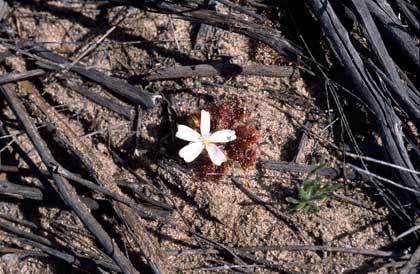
{"x":205,"y":140}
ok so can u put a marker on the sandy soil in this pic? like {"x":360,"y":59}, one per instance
{"x":218,"y":210}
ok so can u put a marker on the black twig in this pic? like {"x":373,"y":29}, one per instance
{"x":65,"y":190}
{"x":96,"y":97}
{"x":220,"y":68}
{"x":79,"y":261}
{"x":315,"y":248}
{"x":328,"y":172}
{"x":17,"y":76}
{"x":389,"y":124}
{"x":25,"y":192}
{"x":147,"y":212}
{"x":278,"y":214}
{"x":117,"y":86}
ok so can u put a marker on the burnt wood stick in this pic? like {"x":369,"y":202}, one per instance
{"x":350,"y":250}
{"x":7,"y":168}
{"x":270,"y":36}
{"x":242,"y":9}
{"x":137,"y":136}
{"x":258,"y":4}
{"x":146,"y":212}
{"x":23,"y":222}
{"x":304,"y":138}
{"x":102,"y":176}
{"x":136,"y":189}
{"x":32,"y":166}
{"x":219,"y":68}
{"x":25,"y":192}
{"x":21,"y":233}
{"x":113,"y":105}
{"x":23,"y":171}
{"x":328,"y":172}
{"x":90,"y":203}
{"x":413,"y":7}
{"x":202,"y":39}
{"x":409,"y":99}
{"x":16,"y":76}
{"x":65,"y":190}
{"x":5,"y":188}
{"x":414,"y":21}
{"x":23,"y":253}
{"x":4,"y":9}
{"x":42,"y":175}
{"x":117,"y":86}
{"x":389,"y":125}
{"x":164,"y":168}
{"x":395,"y":33}
{"x":412,"y":263}
{"x":295,"y":228}
{"x":82,"y":262}
{"x":410,"y":93}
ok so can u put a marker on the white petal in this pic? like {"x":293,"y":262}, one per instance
{"x":205,"y":123}
{"x":187,"y":134}
{"x":191,"y":151}
{"x":216,"y":155}
{"x":223,"y":136}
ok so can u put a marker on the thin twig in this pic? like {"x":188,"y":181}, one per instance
{"x":101,"y":175}
{"x":143,"y":211}
{"x":412,"y":263}
{"x":66,"y":191}
{"x":16,"y":76}
{"x":88,"y":49}
{"x":25,"y":192}
{"x":407,"y":232}
{"x":300,"y":233}
{"x":220,"y":68}
{"x":315,"y":248}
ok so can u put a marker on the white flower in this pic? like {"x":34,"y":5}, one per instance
{"x":204,"y":140}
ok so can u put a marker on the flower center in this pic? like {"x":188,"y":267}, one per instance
{"x":205,"y":140}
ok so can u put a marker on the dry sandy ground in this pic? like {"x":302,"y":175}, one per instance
{"x":216,"y":209}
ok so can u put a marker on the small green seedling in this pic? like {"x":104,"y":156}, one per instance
{"x":312,"y":191}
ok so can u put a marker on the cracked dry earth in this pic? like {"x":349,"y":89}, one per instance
{"x":217,"y":209}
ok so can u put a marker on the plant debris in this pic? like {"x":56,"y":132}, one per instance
{"x":92,"y":94}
